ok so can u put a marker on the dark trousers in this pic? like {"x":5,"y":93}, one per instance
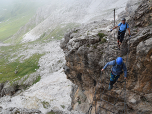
{"x":121,"y":36}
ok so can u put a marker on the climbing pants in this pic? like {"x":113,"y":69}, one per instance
{"x":121,"y":36}
{"x":113,"y":78}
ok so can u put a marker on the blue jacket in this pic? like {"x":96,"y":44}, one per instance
{"x":117,"y":69}
{"x":123,"y":27}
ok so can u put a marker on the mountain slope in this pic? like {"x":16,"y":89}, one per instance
{"x":15,"y":14}
{"x":68,"y":11}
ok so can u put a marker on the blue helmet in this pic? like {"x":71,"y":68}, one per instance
{"x":119,"y":61}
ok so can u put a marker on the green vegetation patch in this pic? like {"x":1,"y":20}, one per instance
{"x":51,"y":112}
{"x":17,"y":112}
{"x":63,"y":106}
{"x":7,"y":29}
{"x":16,"y":14}
{"x":28,"y":66}
{"x":43,"y":35}
{"x":45,"y":104}
{"x":37,"y":79}
{"x":79,"y":102}
{"x":76,"y":31}
{"x":101,"y":35}
{"x":103,"y":40}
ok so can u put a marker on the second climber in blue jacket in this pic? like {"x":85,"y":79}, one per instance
{"x":123,"y":26}
{"x":117,"y":69}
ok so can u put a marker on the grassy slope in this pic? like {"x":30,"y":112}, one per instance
{"x":7,"y":29}
{"x":19,"y":15}
{"x":15,"y":17}
{"x":7,"y":69}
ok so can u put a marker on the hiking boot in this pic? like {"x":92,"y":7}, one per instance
{"x":110,"y":87}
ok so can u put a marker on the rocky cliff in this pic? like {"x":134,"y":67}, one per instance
{"x":88,"y":48}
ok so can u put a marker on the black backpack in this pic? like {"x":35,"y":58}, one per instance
{"x":121,"y":66}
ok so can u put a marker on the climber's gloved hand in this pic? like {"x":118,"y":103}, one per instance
{"x":111,"y":30}
{"x":129,"y":35}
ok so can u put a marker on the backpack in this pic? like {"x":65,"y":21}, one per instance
{"x":121,"y":66}
{"x":126,"y":27}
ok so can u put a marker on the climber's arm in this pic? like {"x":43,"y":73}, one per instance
{"x":117,"y":27}
{"x":129,"y":31}
{"x":108,"y":64}
{"x":114,"y":28}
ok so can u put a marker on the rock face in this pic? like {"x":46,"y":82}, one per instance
{"x":87,"y":50}
{"x":143,"y":15}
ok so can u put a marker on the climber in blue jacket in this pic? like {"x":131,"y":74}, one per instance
{"x":118,"y":66}
{"x":123,"y":26}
